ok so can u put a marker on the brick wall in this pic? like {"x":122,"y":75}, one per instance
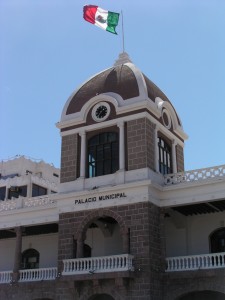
{"x":69,"y":158}
{"x":178,"y":284}
{"x":143,"y":220}
{"x":140,"y":144}
{"x":180,"y":158}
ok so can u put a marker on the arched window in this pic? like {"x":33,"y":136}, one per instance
{"x":165,"y":163}
{"x":217,"y":240}
{"x":103,"y":154}
{"x":30,"y":259}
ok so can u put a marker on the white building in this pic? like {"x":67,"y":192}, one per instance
{"x":128,"y":222}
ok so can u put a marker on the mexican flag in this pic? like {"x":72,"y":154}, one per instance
{"x":104,"y":19}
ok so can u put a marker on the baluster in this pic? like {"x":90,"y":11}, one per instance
{"x":190,"y":263}
{"x":195,"y":262}
{"x":182,"y":263}
{"x":75,"y":266}
{"x":186,"y":263}
{"x":82,"y":265}
{"x":211,"y":261}
{"x":113,"y":262}
{"x":95,"y":264}
{"x":99,"y":264}
{"x":176,"y":264}
{"x":220,"y":259}
{"x":168,"y":264}
{"x":172,"y":264}
{"x":203,"y":262}
{"x":118,"y":262}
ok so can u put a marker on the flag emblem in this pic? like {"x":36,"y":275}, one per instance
{"x":102,"y":18}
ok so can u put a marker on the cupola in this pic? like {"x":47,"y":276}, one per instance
{"x":119,"y":121}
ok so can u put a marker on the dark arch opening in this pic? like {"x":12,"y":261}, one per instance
{"x":206,"y":295}
{"x":217,"y":240}
{"x":101,"y":297}
{"x":30,"y":259}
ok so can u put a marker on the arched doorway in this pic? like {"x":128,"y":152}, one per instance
{"x":206,"y":295}
{"x":103,"y":238}
{"x":101,"y":297}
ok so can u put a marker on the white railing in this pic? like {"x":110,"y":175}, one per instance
{"x":196,"y":262}
{"x":37,"y":201}
{"x":8,"y":205}
{"x":5,"y":276}
{"x":22,"y":202}
{"x":38,"y":274}
{"x":195,"y":175}
{"x":115,"y":263}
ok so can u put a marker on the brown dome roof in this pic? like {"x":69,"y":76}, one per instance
{"x":120,"y":79}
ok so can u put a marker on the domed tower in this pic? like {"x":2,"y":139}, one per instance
{"x":116,"y":122}
{"x":120,"y":135}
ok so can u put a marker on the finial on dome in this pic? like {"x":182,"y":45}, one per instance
{"x":122,"y":59}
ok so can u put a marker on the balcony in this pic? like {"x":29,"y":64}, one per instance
{"x":196,"y":262}
{"x":195,"y":175}
{"x":90,"y":265}
{"x":38,"y":274}
{"x":30,"y":275}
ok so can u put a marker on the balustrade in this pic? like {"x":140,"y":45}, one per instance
{"x":22,"y":202}
{"x":91,"y":265}
{"x":5,"y":276}
{"x":196,"y":262}
{"x":195,"y":175}
{"x":38,"y":201}
{"x":38,"y":274}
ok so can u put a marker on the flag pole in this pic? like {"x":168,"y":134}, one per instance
{"x":122,"y":32}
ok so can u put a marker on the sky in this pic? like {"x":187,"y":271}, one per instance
{"x":47,"y":50}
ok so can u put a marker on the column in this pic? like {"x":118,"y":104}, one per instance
{"x":156,"y":149}
{"x":126,"y":242}
{"x":80,"y":248}
{"x":82,"y":154}
{"x":29,"y":186}
{"x":17,"y":257}
{"x":174,"y":157}
{"x":121,"y":147}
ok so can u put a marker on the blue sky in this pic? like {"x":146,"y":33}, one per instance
{"x":48,"y":50}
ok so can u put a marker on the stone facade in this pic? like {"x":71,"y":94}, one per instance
{"x":140,"y":144}
{"x":141,"y":221}
{"x":69,"y":158}
{"x":179,"y":284}
{"x":180,"y":158}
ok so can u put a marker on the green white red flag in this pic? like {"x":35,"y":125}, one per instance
{"x":104,"y":19}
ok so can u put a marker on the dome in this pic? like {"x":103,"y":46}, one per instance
{"x":127,"y":90}
{"x":124,"y":79}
